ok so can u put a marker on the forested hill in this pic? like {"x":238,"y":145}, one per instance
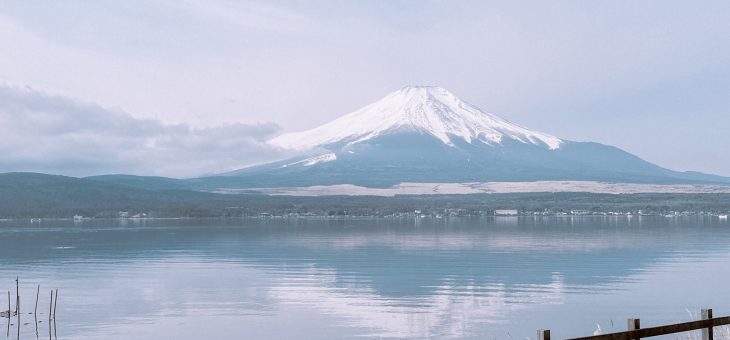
{"x":33,"y":195}
{"x":41,"y":195}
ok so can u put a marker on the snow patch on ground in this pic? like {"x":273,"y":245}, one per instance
{"x":487,"y":187}
{"x":314,"y":160}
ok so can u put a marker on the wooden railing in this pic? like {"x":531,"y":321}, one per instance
{"x":635,"y":332}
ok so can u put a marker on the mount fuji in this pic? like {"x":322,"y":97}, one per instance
{"x":427,"y":110}
{"x":426,"y":134}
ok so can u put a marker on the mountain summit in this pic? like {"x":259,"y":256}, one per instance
{"x":429,"y":110}
{"x":426,"y":134}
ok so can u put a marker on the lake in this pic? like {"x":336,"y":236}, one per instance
{"x":480,"y":278}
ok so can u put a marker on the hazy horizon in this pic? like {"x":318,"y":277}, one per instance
{"x":148,"y":87}
{"x":336,"y":169}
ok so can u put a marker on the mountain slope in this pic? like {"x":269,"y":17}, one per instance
{"x":422,"y":109}
{"x":427,"y":134}
{"x":142,"y":182}
{"x":41,"y":195}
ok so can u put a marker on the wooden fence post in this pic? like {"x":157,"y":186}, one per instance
{"x":543,"y":334}
{"x":707,"y":333}
{"x":634,"y":324}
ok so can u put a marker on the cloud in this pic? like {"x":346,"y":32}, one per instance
{"x":608,"y":72}
{"x":56,"y":134}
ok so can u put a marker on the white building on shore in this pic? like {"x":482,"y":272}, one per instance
{"x":506,"y":212}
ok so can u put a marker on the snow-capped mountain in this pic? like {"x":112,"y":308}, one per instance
{"x":429,"y":110}
{"x":427,"y":134}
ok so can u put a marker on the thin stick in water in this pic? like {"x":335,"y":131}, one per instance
{"x":18,"y":316}
{"x":37,"y":293}
{"x":8,"y":332}
{"x":35,"y":313}
{"x":50,"y":307}
{"x":55,"y":303}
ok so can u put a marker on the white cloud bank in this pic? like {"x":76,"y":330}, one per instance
{"x":650,"y":77}
{"x":56,"y":134}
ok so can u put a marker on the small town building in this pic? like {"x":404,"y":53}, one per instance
{"x":506,"y":212}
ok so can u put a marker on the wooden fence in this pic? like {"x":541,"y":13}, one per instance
{"x":635,"y":332}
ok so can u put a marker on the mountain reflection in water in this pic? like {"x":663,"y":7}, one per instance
{"x":446,"y":278}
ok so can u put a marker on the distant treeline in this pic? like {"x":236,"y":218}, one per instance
{"x":24,"y":195}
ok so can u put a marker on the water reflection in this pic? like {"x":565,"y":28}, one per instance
{"x":453,"y":278}
{"x":449,"y":311}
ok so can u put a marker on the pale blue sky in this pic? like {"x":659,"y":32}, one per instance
{"x":651,"y":77}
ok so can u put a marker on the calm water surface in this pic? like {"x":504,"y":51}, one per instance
{"x":479,"y":278}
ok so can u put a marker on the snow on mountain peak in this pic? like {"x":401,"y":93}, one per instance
{"x":426,"y":109}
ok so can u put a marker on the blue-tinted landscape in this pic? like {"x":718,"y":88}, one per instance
{"x":470,"y":278}
{"x":382,"y":169}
